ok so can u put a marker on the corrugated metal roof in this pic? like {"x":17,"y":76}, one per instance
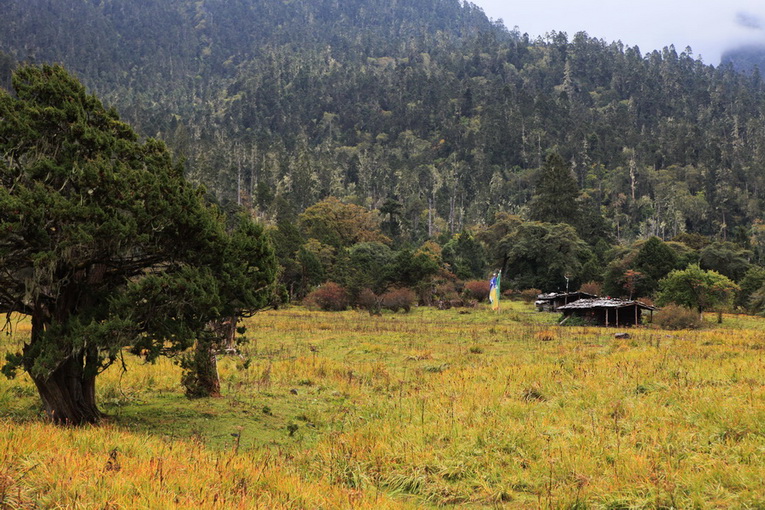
{"x":603,"y":303}
{"x":553,"y":295}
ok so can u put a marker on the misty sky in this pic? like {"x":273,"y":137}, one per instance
{"x":709,"y":27}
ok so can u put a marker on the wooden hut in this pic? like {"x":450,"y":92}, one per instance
{"x":552,"y":301}
{"x":607,"y":311}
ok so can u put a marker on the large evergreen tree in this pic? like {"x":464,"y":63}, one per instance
{"x":542,"y":255}
{"x":653,"y":261}
{"x":557,"y":193}
{"x":104,"y":244}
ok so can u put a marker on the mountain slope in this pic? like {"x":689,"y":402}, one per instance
{"x":279,"y":104}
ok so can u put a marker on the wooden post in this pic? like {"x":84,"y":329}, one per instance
{"x":606,"y":309}
{"x":636,"y":314}
{"x":617,"y":316}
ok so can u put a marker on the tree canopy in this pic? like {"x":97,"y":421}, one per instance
{"x":696,"y":288}
{"x":340,"y":225}
{"x":542,"y":255}
{"x":556,"y":195}
{"x":104,"y":244}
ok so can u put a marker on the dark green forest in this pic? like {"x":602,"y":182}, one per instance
{"x":453,"y":145}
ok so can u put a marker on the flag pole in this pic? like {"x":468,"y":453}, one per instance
{"x":499,"y":288}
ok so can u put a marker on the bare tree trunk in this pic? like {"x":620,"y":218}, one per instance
{"x":430,"y":218}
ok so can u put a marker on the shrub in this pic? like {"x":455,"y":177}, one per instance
{"x":329,"y":297}
{"x":677,"y":317}
{"x":369,"y":301}
{"x":529,"y":295}
{"x":398,"y":299}
{"x":446,"y":291}
{"x":593,"y":288}
{"x":477,"y":289}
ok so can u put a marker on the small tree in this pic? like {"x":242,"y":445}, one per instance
{"x":631,"y":280}
{"x":654,"y":260}
{"x":594,"y":288}
{"x":698,"y":289}
{"x":752,"y":282}
{"x":245,"y":284}
{"x":338,"y":224}
{"x":541,"y":254}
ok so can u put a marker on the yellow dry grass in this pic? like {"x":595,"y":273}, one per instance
{"x":430,"y":408}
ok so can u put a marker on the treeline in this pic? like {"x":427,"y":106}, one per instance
{"x":340,"y":255}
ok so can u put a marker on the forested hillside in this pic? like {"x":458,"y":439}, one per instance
{"x":425,"y":110}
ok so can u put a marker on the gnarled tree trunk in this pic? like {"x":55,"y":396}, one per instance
{"x":201,"y":378}
{"x":69,"y":392}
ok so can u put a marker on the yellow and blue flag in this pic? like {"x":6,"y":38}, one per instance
{"x":494,"y":291}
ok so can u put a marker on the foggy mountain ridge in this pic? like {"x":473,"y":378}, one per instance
{"x":745,"y":58}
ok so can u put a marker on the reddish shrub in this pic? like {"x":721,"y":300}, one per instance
{"x":398,"y":299}
{"x":369,"y":301}
{"x":446,"y":291}
{"x":529,"y":295}
{"x":329,"y":297}
{"x":477,"y":289}
{"x":594,"y":288}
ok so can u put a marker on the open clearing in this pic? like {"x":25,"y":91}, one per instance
{"x":347,"y":410}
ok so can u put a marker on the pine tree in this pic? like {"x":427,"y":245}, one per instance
{"x":555,"y":200}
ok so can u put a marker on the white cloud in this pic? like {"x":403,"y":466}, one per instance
{"x":707,"y":26}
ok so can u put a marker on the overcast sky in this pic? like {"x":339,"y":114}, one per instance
{"x":709,"y":27}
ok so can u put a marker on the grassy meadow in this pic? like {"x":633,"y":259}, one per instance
{"x":426,"y":409}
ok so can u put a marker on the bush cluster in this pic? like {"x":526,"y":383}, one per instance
{"x":369,"y":301}
{"x":398,"y":299}
{"x":329,"y":297}
{"x":677,"y":317}
{"x":529,"y":295}
{"x":477,"y":290}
